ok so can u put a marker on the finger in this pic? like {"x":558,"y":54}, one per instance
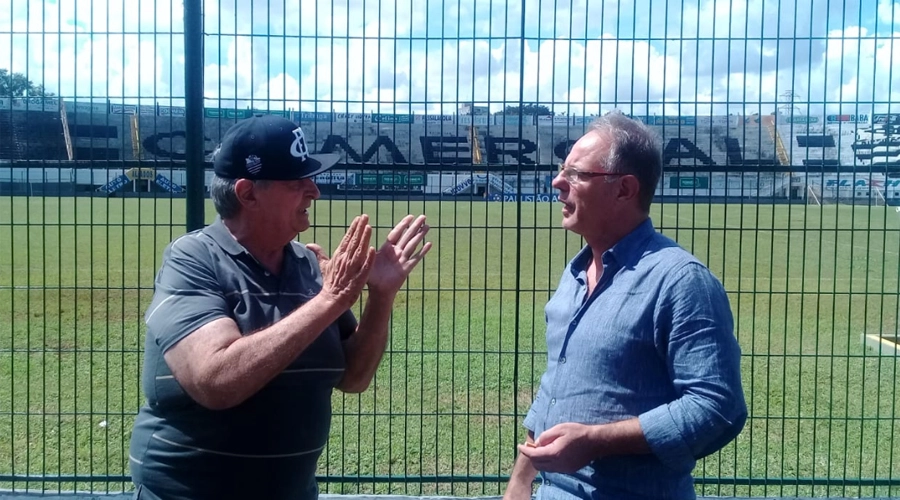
{"x":317,"y":250}
{"x":359,"y":254}
{"x":362,"y":276}
{"x":544,"y":453}
{"x":367,"y":236}
{"x":414,"y":260}
{"x":412,"y":231}
{"x":355,"y":236}
{"x":535,"y":454}
{"x":348,"y":236}
{"x":525,"y":450}
{"x":425,"y":248}
{"x":395,"y":234}
{"x":548,"y":437}
{"x":370,"y":261}
{"x":413,"y":243}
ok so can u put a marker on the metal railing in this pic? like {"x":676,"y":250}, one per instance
{"x":781,"y":155}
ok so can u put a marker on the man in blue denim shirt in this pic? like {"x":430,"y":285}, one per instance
{"x":643,"y":373}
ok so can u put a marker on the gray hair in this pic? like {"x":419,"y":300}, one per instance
{"x":633,"y":149}
{"x":224,"y":197}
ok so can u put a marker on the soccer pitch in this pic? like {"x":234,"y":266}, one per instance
{"x":467,"y":349}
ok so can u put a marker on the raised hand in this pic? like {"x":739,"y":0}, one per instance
{"x":345,"y":274}
{"x":397,"y":257}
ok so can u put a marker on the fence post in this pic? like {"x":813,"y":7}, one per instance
{"x":193,"y":103}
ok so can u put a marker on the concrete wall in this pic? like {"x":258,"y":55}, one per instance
{"x":39,"y":135}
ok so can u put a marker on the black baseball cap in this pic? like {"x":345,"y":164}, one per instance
{"x":268,"y":147}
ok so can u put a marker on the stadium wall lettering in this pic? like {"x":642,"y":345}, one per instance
{"x":761,"y":144}
{"x":155,"y":145}
{"x":455,"y":150}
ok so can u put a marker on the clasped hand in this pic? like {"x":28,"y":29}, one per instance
{"x":562,"y":448}
{"x":355,"y":264}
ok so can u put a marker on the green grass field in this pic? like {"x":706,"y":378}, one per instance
{"x":466,"y":350}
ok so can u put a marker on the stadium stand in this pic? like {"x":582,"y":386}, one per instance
{"x":728,"y":144}
{"x":734,"y":156}
{"x":31,"y":135}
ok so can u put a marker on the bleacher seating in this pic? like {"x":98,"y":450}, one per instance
{"x":730,"y":143}
{"x":841,"y":146}
{"x":31,"y":135}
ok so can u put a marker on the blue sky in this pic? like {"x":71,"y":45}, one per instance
{"x":579,"y":56}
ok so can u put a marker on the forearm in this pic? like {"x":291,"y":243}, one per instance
{"x":241,"y":368}
{"x":522,"y":476}
{"x":365,"y":348}
{"x":619,"y":438}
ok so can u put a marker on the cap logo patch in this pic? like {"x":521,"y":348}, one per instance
{"x":254,"y":164}
{"x":298,"y":147}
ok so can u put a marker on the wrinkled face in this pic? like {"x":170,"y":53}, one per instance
{"x":587,"y":192}
{"x":285,"y":205}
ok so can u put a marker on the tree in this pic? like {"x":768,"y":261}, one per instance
{"x":18,"y":85}
{"x":527,"y":110}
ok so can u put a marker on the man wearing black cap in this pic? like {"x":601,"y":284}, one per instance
{"x":249,"y":332}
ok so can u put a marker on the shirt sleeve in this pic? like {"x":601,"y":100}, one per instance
{"x":538,"y":407}
{"x":694,"y":325}
{"x":531,"y":418}
{"x":187,"y":293}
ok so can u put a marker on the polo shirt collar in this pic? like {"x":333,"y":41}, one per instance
{"x":298,"y":249}
{"x":223,"y":237}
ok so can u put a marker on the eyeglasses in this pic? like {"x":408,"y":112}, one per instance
{"x":574,"y":176}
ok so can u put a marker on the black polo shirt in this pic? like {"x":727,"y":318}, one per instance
{"x":268,"y":446}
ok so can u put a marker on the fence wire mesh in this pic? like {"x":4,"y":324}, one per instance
{"x":780,"y":126}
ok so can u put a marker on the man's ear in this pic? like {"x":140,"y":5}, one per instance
{"x":629,"y":188}
{"x":247,"y":192}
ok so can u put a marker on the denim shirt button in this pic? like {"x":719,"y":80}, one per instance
{"x":562,"y":360}
{"x":553,"y":401}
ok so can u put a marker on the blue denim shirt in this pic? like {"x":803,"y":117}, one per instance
{"x":654,"y":341}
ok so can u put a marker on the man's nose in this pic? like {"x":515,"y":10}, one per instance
{"x":559,"y":182}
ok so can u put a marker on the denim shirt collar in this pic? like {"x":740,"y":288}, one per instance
{"x":625,"y":253}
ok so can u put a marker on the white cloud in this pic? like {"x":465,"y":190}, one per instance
{"x":888,"y":12}
{"x":231,"y":79}
{"x":123,"y":66}
{"x":858,"y":68}
{"x":94,"y":48}
{"x":695,"y":57}
{"x":280,"y":92}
